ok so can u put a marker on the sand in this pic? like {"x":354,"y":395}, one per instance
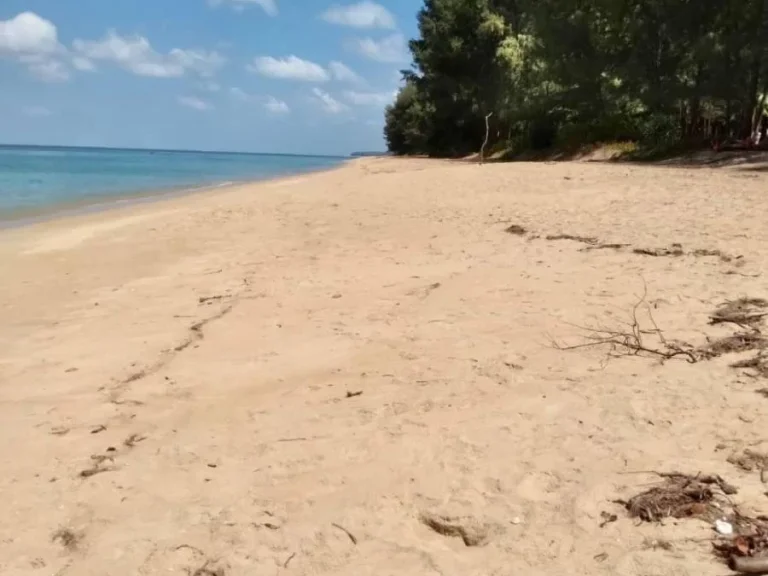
{"x":300,"y":377}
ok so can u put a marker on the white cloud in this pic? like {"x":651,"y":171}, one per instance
{"x":328,"y":102}
{"x":28,"y":34}
{"x":83,"y":64}
{"x":342,"y":73}
{"x":290,"y":68}
{"x":136,"y":55}
{"x":379,"y":99}
{"x":211,"y":87}
{"x":269,"y":6}
{"x":389,"y":49}
{"x":194,"y":103}
{"x":276,"y":106}
{"x":49,"y":71}
{"x":33,"y":41}
{"x":365,"y":14}
{"x":270,"y":103}
{"x":36,"y":111}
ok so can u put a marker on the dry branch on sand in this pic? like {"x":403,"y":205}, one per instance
{"x":631,"y":340}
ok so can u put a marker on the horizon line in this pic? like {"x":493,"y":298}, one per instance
{"x":188,"y":151}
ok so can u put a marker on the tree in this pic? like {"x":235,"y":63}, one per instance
{"x":663,"y":72}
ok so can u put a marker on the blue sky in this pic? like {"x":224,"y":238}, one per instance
{"x":294,"y":76}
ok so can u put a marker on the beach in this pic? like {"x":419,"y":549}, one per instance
{"x":364,"y":371}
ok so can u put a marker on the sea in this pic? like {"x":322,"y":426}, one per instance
{"x":36,"y":180}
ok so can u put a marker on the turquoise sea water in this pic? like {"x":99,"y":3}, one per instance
{"x":36,"y":179}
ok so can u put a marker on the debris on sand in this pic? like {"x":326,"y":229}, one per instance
{"x":98,"y":465}
{"x":747,"y":552}
{"x":583,"y":239}
{"x":741,"y":540}
{"x":605,"y":247}
{"x":701,"y":253}
{"x":744,"y":312}
{"x":673,"y":251}
{"x":68,"y":538}
{"x":472,"y":532}
{"x":516,"y":230}
{"x":758,"y":363}
{"x":681,"y":496}
{"x":210,"y":568}
{"x":749,"y":460}
{"x":739,"y":342}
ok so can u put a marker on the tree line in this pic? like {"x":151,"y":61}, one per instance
{"x":570,"y":72}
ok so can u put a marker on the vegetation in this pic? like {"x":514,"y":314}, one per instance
{"x":566,"y":73}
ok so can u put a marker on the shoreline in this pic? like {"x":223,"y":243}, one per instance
{"x":10,"y":220}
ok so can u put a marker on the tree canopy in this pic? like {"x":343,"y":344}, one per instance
{"x":568,"y":72}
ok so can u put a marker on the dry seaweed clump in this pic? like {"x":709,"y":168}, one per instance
{"x":758,"y":363}
{"x":744,"y":312}
{"x":681,"y":496}
{"x":673,"y":251}
{"x":739,"y":342}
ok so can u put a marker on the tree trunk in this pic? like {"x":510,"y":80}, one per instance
{"x":485,"y":142}
{"x":755,"y":69}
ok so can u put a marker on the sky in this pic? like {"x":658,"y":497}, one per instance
{"x":284,"y":76}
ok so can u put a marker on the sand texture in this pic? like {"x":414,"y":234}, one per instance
{"x":357,"y":373}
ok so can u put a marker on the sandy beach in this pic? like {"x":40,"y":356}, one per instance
{"x":357,"y":372}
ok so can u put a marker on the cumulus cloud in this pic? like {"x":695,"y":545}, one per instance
{"x":389,"y":49}
{"x":194,"y":103}
{"x":269,"y":6}
{"x":379,"y":99}
{"x":33,"y":41}
{"x":289,"y":68}
{"x":328,"y":102}
{"x":135,"y":54}
{"x":365,"y":14}
{"x":28,"y":34}
{"x":276,"y":106}
{"x":342,"y":73}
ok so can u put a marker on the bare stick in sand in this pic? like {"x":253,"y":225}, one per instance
{"x":487,"y":133}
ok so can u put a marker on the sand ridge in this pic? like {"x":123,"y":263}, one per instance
{"x":355,"y":373}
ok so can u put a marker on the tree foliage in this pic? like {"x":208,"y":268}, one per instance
{"x":575,"y":71}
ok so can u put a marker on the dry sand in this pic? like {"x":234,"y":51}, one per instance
{"x":193,"y":359}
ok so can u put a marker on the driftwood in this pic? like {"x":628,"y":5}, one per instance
{"x":754,"y":565}
{"x":631,"y":340}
